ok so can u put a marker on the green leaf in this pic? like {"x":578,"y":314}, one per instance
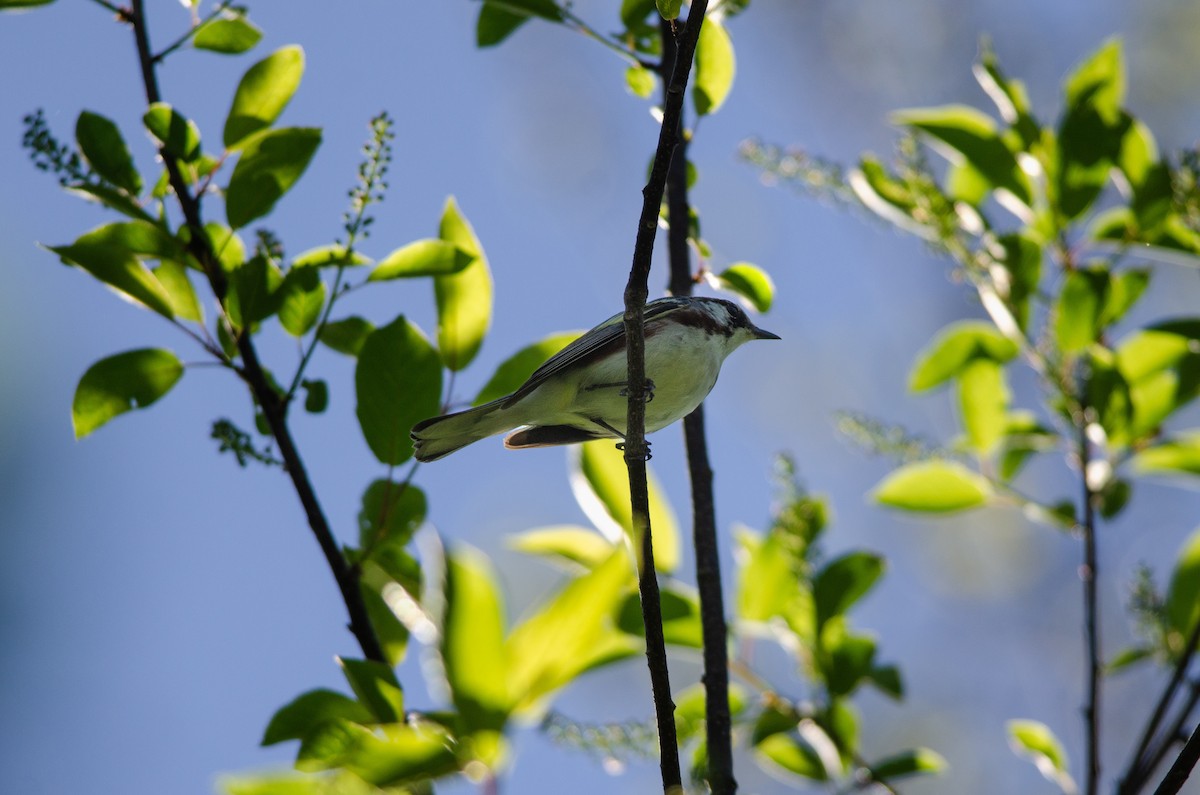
{"x":428,"y":257}
{"x":377,"y":689}
{"x":232,"y":36}
{"x":571,"y":633}
{"x":640,"y":81}
{"x":1124,"y":289}
{"x":226,"y":244}
{"x":516,"y":369}
{"x":1176,"y":455}
{"x":846,"y":658}
{"x":390,"y":514}
{"x":1035,"y":741}
{"x":174,"y":279}
{"x":715,"y":65}
{"x":399,"y":382}
{"x":1010,"y":96}
{"x":1182,"y":605}
{"x":843,"y":581}
{"x":117,"y":384}
{"x":1077,"y":314}
{"x":270,"y":164}
{"x":918,"y":761}
{"x":1126,"y":658}
{"x":316,"y":395}
{"x":472,"y":647}
{"x":295,"y":720}
{"x":102,"y":145}
{"x":1100,"y":81}
{"x":279,"y":784}
{"x":600,"y":480}
{"x":691,"y":711}
{"x":329,"y":257}
{"x":387,"y":756}
{"x":144,"y":239}
{"x":954,"y":348}
{"x":578,"y":545}
{"x":983,"y":401}
{"x":965,"y":134}
{"x":772,"y":583}
{"x":178,"y":135}
{"x":751,"y":282}
{"x":301,"y":299}
{"x":109,"y":197}
{"x":933,"y":487}
{"x":254,"y":292}
{"x":793,"y":755}
{"x":120,"y":269}
{"x":464,"y":299}
{"x":263,"y":93}
{"x":680,"y":616}
{"x":888,"y":680}
{"x":1109,"y":395}
{"x":499,"y":18}
{"x":346,"y":335}
{"x":1023,"y":261}
{"x":13,"y":5}
{"x":669,"y":9}
{"x":1092,"y":130}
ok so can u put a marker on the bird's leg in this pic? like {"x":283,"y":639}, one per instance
{"x":624,"y":388}
{"x":619,"y":435}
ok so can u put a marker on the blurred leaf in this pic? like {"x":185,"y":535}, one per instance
{"x":1023,"y":436}
{"x":1114,"y":497}
{"x":391,"y":513}
{"x":12,"y":5}
{"x":301,"y":299}
{"x":120,"y":269}
{"x":254,"y":292}
{"x":102,"y":145}
{"x":472,"y":646}
{"x":376,"y":687}
{"x":846,"y":658}
{"x":270,"y":164}
{"x":178,"y":135}
{"x":1092,"y":129}
{"x":983,"y":400}
{"x":516,"y":369}
{"x":918,"y":761}
{"x":954,"y":348}
{"x":232,"y":36}
{"x":109,"y":197}
{"x":640,"y":81}
{"x":295,"y":720}
{"x":1010,"y":97}
{"x":174,"y":279}
{"x":1127,"y":658}
{"x":600,"y":481}
{"x":1077,"y":313}
{"x":263,"y":93}
{"x":680,"y":616}
{"x":793,"y":755}
{"x":464,"y":299}
{"x":1183,"y":593}
{"x":144,"y":239}
{"x":571,"y":633}
{"x":843,"y":581}
{"x":770,"y":578}
{"x":1035,"y":741}
{"x":751,"y":282}
{"x":329,"y":257}
{"x":422,"y":258}
{"x":121,"y":383}
{"x":226,"y":245}
{"x":1124,"y":289}
{"x":965,"y":133}
{"x":1023,"y":261}
{"x":1109,"y":395}
{"x":399,"y":382}
{"x":346,"y":335}
{"x":499,"y":18}
{"x":1099,"y":81}
{"x":316,"y":395}
{"x":577,"y":545}
{"x":933,"y":487}
{"x":388,"y":756}
{"x":887,"y":678}
{"x":715,"y":64}
{"x":669,"y":9}
{"x":1179,"y":454}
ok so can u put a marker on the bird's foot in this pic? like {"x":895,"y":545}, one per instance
{"x":621,"y":447}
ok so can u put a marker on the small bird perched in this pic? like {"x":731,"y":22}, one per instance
{"x":579,"y":393}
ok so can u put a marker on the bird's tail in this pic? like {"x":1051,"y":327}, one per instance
{"x":440,"y":436}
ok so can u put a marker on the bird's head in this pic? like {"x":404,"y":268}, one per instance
{"x":731,"y":321}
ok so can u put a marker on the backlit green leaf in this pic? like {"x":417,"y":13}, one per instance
{"x":909,"y":763}
{"x":386,"y":756}
{"x":173,"y":277}
{"x":933,"y":487}
{"x":792,"y":755}
{"x":120,"y":269}
{"x":1099,"y":80}
{"x":102,"y":145}
{"x":1179,"y":454}
{"x":954,"y":348}
{"x":270,"y":164}
{"x":464,"y":299}
{"x":1183,"y":591}
{"x":301,"y":298}
{"x":391,"y":513}
{"x":846,"y":659}
{"x":600,"y":480}
{"x":144,"y":239}
{"x":121,"y":383}
{"x":1092,"y":130}
{"x":1023,"y":261}
{"x":225,"y":243}
{"x":399,"y":382}
{"x":429,"y":257}
{"x":578,"y":545}
{"x":346,"y":335}
{"x":233,"y":35}
{"x":12,"y":5}
{"x":254,"y":292}
{"x":178,"y":135}
{"x":640,"y":81}
{"x":669,"y":9}
{"x":472,"y":645}
{"x":1035,"y":741}
{"x":295,"y":720}
{"x":263,"y":93}
{"x":329,"y":257}
{"x":751,"y":282}
{"x":516,"y":369}
{"x":1077,"y":313}
{"x":377,"y":688}
{"x":983,"y":401}
{"x":843,"y":581}
{"x":680,"y":616}
{"x":715,"y":65}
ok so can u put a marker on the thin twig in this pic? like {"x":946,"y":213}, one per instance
{"x":192,"y":31}
{"x":253,"y":374}
{"x":718,"y":723}
{"x":1087,"y":573}
{"x":1183,"y":766}
{"x":629,"y":55}
{"x":636,"y":292}
{"x":1172,"y":735}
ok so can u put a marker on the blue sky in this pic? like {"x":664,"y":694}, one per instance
{"x":157,"y":603}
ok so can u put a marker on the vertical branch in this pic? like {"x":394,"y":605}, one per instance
{"x":1087,"y":573}
{"x":718,"y":725}
{"x":636,"y":292}
{"x":273,"y":406}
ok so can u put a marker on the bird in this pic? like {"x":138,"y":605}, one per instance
{"x":579,"y":393}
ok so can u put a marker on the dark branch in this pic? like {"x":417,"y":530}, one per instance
{"x":1183,"y":766}
{"x":636,"y":292}
{"x":1087,"y":573}
{"x":273,"y":407}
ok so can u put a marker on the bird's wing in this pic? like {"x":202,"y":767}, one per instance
{"x":604,"y":339}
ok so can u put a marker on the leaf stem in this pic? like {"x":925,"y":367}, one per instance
{"x":578,"y":24}
{"x":192,"y":31}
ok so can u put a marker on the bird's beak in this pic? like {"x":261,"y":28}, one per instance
{"x":763,"y":334}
